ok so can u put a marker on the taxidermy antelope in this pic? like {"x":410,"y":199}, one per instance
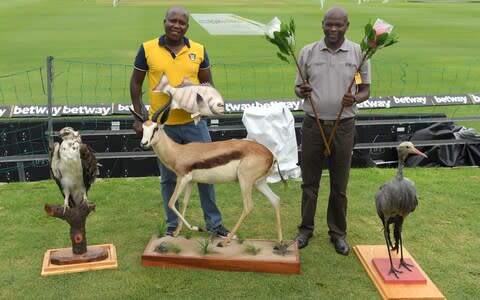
{"x":245,"y":161}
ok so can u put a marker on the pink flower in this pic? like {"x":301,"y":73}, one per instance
{"x":380,"y":27}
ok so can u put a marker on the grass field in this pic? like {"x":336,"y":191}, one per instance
{"x":442,"y":236}
{"x":431,"y":34}
{"x":437,"y":49}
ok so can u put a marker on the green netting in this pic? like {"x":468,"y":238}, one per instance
{"x":80,"y":82}
{"x":90,"y":83}
{"x":23,"y":88}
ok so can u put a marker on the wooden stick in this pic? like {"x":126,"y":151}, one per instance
{"x":349,"y":90}
{"x":322,"y":133}
{"x":337,"y":120}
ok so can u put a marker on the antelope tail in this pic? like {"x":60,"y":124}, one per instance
{"x":284,"y":182}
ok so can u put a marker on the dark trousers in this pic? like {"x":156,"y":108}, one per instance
{"x":339,"y":161}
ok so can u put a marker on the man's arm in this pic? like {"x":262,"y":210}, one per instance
{"x":205,"y":73}
{"x":205,"y":76}
{"x":362,"y":94}
{"x":136,"y":83}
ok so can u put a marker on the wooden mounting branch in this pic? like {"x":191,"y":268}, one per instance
{"x":77,"y":218}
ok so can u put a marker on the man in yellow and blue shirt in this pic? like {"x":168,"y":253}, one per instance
{"x":179,"y":58}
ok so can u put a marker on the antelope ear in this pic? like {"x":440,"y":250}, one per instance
{"x":164,"y":116}
{"x":136,"y":115}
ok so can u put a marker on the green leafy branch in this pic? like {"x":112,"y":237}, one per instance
{"x":283,"y":38}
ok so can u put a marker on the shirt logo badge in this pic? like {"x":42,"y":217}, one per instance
{"x":192,"y":56}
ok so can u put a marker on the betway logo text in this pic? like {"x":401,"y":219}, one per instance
{"x":36,"y":110}
{"x":375,"y":103}
{"x":450,"y":99}
{"x":410,"y":100}
{"x":3,"y":112}
{"x":241,"y":106}
{"x":475,"y":98}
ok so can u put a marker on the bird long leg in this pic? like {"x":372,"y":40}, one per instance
{"x":389,"y":237}
{"x":402,"y":261}
{"x":386,"y":226}
{"x":389,"y":244}
{"x":397,"y":231}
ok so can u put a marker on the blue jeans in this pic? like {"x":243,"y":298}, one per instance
{"x":184,"y":134}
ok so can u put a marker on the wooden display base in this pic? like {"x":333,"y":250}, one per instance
{"x":234,"y":257}
{"x":403,"y":288}
{"x":61,"y":261}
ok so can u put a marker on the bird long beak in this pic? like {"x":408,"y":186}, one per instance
{"x":418,"y":152}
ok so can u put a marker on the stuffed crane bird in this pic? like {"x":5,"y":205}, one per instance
{"x":394,"y":201}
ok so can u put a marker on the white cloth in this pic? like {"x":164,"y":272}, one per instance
{"x":274,"y":127}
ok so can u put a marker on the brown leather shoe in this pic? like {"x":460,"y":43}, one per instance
{"x":341,"y":245}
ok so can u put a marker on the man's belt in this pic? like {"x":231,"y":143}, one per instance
{"x":331,"y":122}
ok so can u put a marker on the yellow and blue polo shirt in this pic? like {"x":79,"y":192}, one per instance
{"x":155,"y":59}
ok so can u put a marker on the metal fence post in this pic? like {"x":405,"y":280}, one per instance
{"x":50,"y":96}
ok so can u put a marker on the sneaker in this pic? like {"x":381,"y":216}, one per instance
{"x":222,"y":232}
{"x":170,"y":231}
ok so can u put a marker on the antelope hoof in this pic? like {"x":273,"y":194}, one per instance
{"x":281,"y":248}
{"x":222,"y":244}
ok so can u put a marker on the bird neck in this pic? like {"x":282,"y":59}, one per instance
{"x":401,"y":162}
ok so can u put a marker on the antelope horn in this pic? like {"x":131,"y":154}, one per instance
{"x":161,"y":110}
{"x":136,"y":115}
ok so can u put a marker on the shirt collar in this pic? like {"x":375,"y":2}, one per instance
{"x":162,"y":41}
{"x":343,"y":47}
